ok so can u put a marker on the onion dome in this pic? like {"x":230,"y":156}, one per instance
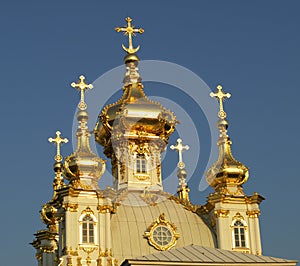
{"x":134,"y":113}
{"x":226,"y":173}
{"x":83,"y":168}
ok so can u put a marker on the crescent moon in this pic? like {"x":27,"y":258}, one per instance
{"x":130,"y":51}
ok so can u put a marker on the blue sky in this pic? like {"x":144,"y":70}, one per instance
{"x":251,"y":47}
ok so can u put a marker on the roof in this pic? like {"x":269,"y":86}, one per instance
{"x":198,"y":255}
{"x":134,"y":216}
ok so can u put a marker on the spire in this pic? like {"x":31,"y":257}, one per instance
{"x":227,"y":174}
{"x":182,"y":190}
{"x":134,"y":130}
{"x":48,"y":211}
{"x":58,"y":180}
{"x":83,"y":168}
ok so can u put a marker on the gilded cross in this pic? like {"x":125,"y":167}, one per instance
{"x":82,"y":86}
{"x":180,"y":149}
{"x":129,"y":31}
{"x":220,"y":95}
{"x":58,"y":142}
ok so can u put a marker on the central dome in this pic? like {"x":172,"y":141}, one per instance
{"x":134,"y":113}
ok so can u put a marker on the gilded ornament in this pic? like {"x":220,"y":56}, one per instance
{"x":220,"y":95}
{"x":106,"y":209}
{"x":58,"y":141}
{"x":148,"y":197}
{"x":227,"y":174}
{"x":161,"y":234}
{"x":238,"y":216}
{"x":221,"y":213}
{"x":79,"y":261}
{"x":71,"y":252}
{"x":88,"y":211}
{"x":129,"y":31}
{"x":73,"y":207}
{"x":106,"y":253}
{"x":180,"y":149}
{"x":99,"y":262}
{"x":69,"y":261}
{"x":82,"y":86}
{"x":253,"y":213}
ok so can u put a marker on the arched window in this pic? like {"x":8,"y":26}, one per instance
{"x":88,"y":230}
{"x":141,"y":164}
{"x":239,"y":234}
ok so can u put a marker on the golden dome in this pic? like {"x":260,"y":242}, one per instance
{"x":83,"y":167}
{"x":226,"y":173}
{"x":134,"y":113}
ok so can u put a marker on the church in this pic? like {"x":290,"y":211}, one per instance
{"x":136,"y":222}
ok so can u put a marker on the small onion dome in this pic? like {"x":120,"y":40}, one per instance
{"x":134,"y":114}
{"x":226,"y":170}
{"x":83,"y":165}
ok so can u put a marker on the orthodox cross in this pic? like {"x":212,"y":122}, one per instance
{"x":220,"y":95}
{"x":180,"y":149}
{"x":58,"y":142}
{"x":82,"y":87}
{"x":129,"y":31}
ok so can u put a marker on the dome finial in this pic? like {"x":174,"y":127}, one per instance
{"x":227,"y":174}
{"x":129,"y":31}
{"x":58,"y":180}
{"x":220,"y":95}
{"x":182,"y":190}
{"x":83,"y":168}
{"x":58,"y":141}
{"x":82,"y":86}
{"x":180,"y":148}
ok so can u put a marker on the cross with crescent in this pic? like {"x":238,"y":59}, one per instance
{"x":220,"y":95}
{"x":58,"y":142}
{"x":130,"y":31}
{"x":82,"y":86}
{"x":180,"y":148}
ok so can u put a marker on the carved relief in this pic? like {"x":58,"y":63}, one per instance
{"x":221,"y":213}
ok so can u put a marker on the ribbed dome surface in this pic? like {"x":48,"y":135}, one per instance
{"x":134,"y":216}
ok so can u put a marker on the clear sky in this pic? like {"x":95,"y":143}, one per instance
{"x":250,"y":47}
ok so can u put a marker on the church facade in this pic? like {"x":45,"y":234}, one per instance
{"x":136,"y":222}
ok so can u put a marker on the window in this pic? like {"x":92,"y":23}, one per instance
{"x":87,"y":230}
{"x":141,"y":164}
{"x":239,"y":234}
{"x":162,"y":235}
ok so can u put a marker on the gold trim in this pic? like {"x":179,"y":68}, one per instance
{"x":106,"y":253}
{"x":253,"y":213}
{"x":238,"y":216}
{"x":106,"y":209}
{"x":73,"y":207}
{"x":161,"y":221}
{"x":88,"y":211}
{"x":71,"y":252}
{"x":221,"y":213}
{"x":243,"y":250}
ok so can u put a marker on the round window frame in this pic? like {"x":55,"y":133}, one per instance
{"x":161,"y":222}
